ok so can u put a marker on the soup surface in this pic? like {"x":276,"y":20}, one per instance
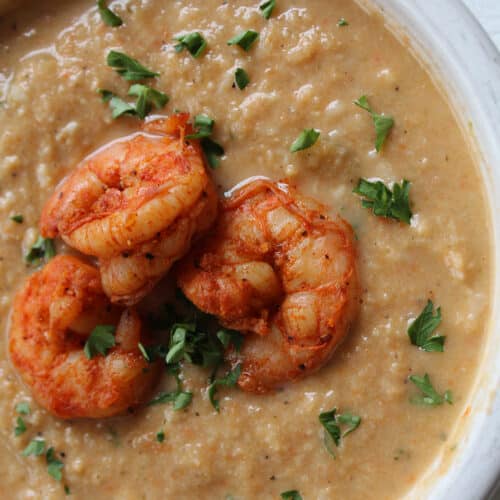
{"x":305,"y":70}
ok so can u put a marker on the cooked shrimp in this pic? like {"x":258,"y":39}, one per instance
{"x":135,"y":204}
{"x":52,"y":317}
{"x":277,"y":268}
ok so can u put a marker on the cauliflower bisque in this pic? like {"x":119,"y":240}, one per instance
{"x":290,"y":76}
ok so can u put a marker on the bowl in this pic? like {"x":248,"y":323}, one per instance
{"x":465,"y":64}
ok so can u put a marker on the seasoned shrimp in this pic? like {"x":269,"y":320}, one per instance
{"x":135,"y":204}
{"x":277,"y":268}
{"x":52,"y":317}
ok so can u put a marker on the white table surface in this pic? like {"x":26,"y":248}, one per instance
{"x":488,"y":13}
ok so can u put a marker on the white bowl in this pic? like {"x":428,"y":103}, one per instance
{"x":466,"y":64}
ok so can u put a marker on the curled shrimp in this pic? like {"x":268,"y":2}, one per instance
{"x":135,"y":204}
{"x":277,"y":268}
{"x":51,"y":318}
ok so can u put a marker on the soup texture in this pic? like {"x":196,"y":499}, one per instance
{"x":311,"y":60}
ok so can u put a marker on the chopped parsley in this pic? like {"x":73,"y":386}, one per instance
{"x":230,"y":337}
{"x":130,"y":69}
{"x":383,"y":123}
{"x":67,"y":490}
{"x":23,"y":408}
{"x":267,"y":8}
{"x":146,"y":98}
{"x":422,"y":329}
{"x":108,"y":16}
{"x":291,"y":495}
{"x":241,"y":78}
{"x":332,"y":422}
{"x":160,"y":436}
{"x":393,"y":204}
{"x":20,"y":427}
{"x":429,"y":396}
{"x":180,"y":399}
{"x":36,"y":448}
{"x":204,"y":126}
{"x":306,"y":139}
{"x":244,"y":39}
{"x":229,"y":380}
{"x":100,"y":341}
{"x":193,"y":42}
{"x":43,"y":249}
{"x":54,"y":466}
{"x":18,"y":218}
{"x":342,"y":22}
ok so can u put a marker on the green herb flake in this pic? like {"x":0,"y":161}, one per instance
{"x":267,"y":8}
{"x":241,"y":78}
{"x":306,"y":139}
{"x":54,"y":466}
{"x":421,"y":330}
{"x":36,"y":448}
{"x":67,"y":491}
{"x":393,"y":204}
{"x":160,"y":436}
{"x":213,"y":151}
{"x":342,"y":22}
{"x":182,"y":400}
{"x":129,"y":68}
{"x":108,"y":16}
{"x":43,"y":249}
{"x":332,"y":422}
{"x":291,"y":495}
{"x":383,"y":123}
{"x":120,"y":107}
{"x":229,"y":380}
{"x":244,"y":39}
{"x":203,"y":125}
{"x":18,"y":218}
{"x":146,"y":98}
{"x":23,"y":408}
{"x":193,"y":42}
{"x":429,"y":396}
{"x":20,"y":427}
{"x":100,"y":341}
{"x":230,"y":337}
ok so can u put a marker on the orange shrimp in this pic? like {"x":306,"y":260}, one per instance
{"x":278,"y":269}
{"x":135,"y":204}
{"x":51,"y":318}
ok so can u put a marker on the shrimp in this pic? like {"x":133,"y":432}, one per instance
{"x":135,"y":204}
{"x":52,"y":316}
{"x":276,"y":268}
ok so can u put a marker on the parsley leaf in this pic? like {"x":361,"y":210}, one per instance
{"x":306,"y":139}
{"x":54,"y":465}
{"x":393,"y":204}
{"x":230,"y":337}
{"x":146,"y":97}
{"x":67,"y":490}
{"x":291,"y":495}
{"x":107,"y":15}
{"x":20,"y":428}
{"x":204,"y":126}
{"x":430,"y":396}
{"x":193,"y":42}
{"x":267,"y":8}
{"x":383,"y":123}
{"x":241,"y":78}
{"x":18,"y":218}
{"x":331,"y":421}
{"x":42,"y":249}
{"x":343,"y":22}
{"x":244,"y":39}
{"x":213,"y":151}
{"x":229,"y":380}
{"x":23,"y":408}
{"x":179,"y":398}
{"x":100,"y":341}
{"x":127,"y":67}
{"x":36,"y":447}
{"x":160,"y":436}
{"x":120,"y":107}
{"x":421,"y":330}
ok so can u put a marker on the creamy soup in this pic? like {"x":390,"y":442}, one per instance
{"x":305,"y":70}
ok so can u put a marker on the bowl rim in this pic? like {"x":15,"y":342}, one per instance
{"x":465,"y":65}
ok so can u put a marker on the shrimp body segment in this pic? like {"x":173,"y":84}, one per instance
{"x":51,"y":319}
{"x":135,"y":204}
{"x":277,"y":268}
